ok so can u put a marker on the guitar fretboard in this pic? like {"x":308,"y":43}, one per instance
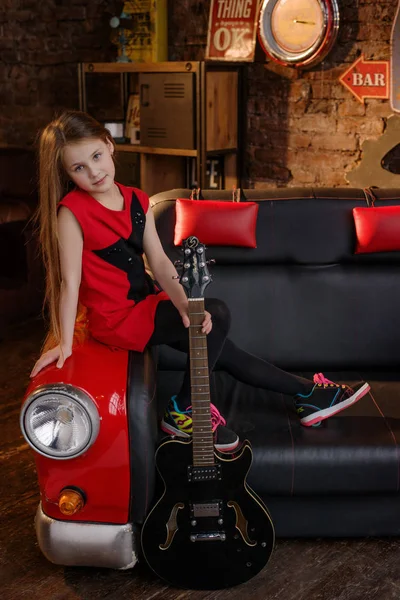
{"x":203,"y":441}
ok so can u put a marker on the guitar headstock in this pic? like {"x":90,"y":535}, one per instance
{"x":195,"y":276}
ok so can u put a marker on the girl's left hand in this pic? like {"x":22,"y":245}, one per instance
{"x":206,"y":325}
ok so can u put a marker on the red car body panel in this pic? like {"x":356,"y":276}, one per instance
{"x":103,"y":472}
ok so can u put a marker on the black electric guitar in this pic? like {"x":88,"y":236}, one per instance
{"x":209,"y":530}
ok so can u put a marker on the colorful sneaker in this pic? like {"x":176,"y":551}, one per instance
{"x":326,"y":399}
{"x":179,"y":422}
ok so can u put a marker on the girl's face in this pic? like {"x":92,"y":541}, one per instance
{"x":90,"y":165}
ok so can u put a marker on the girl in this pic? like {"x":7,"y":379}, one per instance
{"x":93,"y":239}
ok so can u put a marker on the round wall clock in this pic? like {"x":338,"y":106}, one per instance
{"x":298,"y":33}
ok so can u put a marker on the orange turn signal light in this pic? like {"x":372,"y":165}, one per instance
{"x":70,"y":501}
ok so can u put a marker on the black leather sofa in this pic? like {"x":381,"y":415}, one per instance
{"x":303,"y":300}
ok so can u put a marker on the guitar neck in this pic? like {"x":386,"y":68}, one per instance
{"x":203,"y":441}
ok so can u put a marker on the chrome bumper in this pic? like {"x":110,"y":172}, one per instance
{"x":86,"y":544}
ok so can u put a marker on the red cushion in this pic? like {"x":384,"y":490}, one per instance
{"x":377,"y":229}
{"x":216,"y":223}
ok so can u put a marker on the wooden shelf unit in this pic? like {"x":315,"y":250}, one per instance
{"x":217,"y":114}
{"x":153,"y":150}
{"x":140,"y":67}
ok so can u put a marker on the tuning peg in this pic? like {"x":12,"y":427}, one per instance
{"x":177,"y":263}
{"x":212,"y":261}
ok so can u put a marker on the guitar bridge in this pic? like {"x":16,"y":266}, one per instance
{"x":209,"y":536}
{"x":208,"y":473}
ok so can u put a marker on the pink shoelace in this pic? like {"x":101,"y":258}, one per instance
{"x":216,"y":418}
{"x":322,"y":380}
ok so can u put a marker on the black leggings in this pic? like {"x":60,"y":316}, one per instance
{"x":222,"y":352}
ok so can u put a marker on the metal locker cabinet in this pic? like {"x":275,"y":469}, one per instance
{"x":167,"y":112}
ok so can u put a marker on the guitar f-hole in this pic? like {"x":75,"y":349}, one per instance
{"x":172,"y":526}
{"x":241,"y":523}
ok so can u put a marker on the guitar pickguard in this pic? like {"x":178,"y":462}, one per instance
{"x":172,"y":526}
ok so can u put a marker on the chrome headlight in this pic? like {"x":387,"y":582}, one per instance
{"x":59,"y":421}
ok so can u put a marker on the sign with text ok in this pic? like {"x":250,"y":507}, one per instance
{"x":367,"y":79}
{"x":232,"y":30}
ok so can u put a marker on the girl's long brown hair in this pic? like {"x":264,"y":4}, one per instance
{"x":69,"y":128}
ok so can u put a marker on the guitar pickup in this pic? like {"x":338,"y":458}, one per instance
{"x":205,"y":509}
{"x":208,"y":473}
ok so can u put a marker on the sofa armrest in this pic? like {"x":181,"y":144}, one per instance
{"x":143,"y":431}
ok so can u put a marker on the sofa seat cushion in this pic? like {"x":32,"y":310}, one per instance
{"x":354,"y":452}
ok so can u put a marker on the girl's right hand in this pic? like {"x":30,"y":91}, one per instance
{"x":59,"y":354}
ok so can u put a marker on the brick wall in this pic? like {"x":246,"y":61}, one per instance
{"x":41,"y":42}
{"x":303,"y":128}
{"x":312,"y":126}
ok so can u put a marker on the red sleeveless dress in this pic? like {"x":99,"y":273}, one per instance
{"x":120,"y":296}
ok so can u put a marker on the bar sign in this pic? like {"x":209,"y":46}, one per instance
{"x":367,"y":79}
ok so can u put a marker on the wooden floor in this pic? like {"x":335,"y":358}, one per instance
{"x":298,"y":570}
